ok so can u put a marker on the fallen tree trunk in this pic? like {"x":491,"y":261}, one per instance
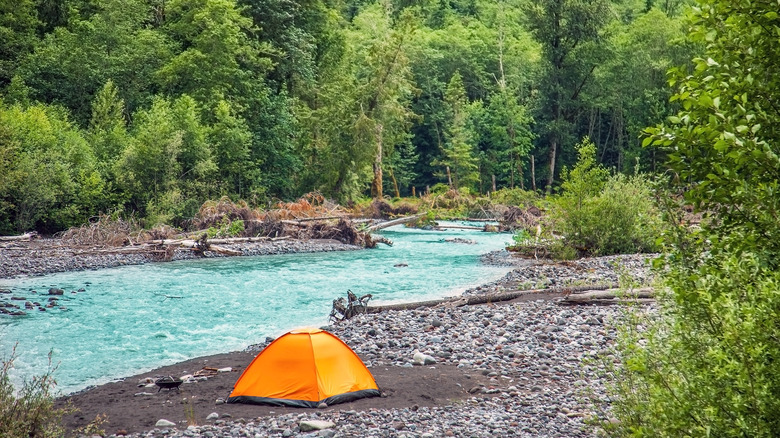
{"x":607,"y":302}
{"x":24,"y":237}
{"x":382,"y":239}
{"x":321,"y":218}
{"x":204,"y":245}
{"x":200,"y":245}
{"x":611,"y":296}
{"x":487,"y":298}
{"x":398,"y":221}
{"x":459,"y":227}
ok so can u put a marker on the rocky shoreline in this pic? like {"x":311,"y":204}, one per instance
{"x":47,"y":256}
{"x":532,"y":367}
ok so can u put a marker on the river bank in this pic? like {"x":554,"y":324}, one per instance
{"x":522,"y":368}
{"x":48,"y":256}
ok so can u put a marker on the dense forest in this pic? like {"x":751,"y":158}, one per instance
{"x":154,"y":106}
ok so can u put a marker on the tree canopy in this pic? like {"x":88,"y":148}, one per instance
{"x":179,"y":101}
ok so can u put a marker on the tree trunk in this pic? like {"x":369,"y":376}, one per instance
{"x":494,"y":183}
{"x":551,"y":178}
{"x":395,"y":184}
{"x":449,"y":176}
{"x":376,"y":186}
{"x":520,"y":173}
{"x":383,"y":225}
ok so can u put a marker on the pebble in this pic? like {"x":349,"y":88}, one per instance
{"x":310,"y":425}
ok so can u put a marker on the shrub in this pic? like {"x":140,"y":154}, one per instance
{"x":707,"y":365}
{"x":30,"y":413}
{"x":516,"y":196}
{"x":226,"y":228}
{"x":600,"y":214}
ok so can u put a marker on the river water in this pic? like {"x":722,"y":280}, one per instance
{"x":132,"y":319}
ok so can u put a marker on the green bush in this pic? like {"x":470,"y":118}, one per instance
{"x":30,"y":413}
{"x":514,"y":196}
{"x":226,"y":228}
{"x":599,"y":214}
{"x":708,"y":364}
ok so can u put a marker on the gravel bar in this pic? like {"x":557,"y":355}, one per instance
{"x":544,"y":363}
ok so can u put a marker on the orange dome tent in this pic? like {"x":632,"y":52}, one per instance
{"x":303,"y":368}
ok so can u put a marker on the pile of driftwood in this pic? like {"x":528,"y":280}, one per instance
{"x":516,"y":218}
{"x":338,"y":228}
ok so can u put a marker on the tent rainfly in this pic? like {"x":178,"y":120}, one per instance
{"x":303,"y":368}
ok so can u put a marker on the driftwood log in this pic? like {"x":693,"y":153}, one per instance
{"x":611,"y":296}
{"x":459,"y":227}
{"x":24,"y":237}
{"x":554,"y":292}
{"x":200,"y":245}
{"x":393,"y":222}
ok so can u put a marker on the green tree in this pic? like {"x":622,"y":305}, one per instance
{"x":217,"y":59}
{"x":149,"y":166}
{"x":50,"y":180}
{"x":112,"y":42}
{"x":458,"y":155}
{"x":385,"y":89}
{"x":643,"y":49}
{"x":362,"y":111}
{"x":569,"y":34}
{"x":18,"y":35}
{"x":107,"y":128}
{"x":232,"y":140}
{"x":708,"y":365}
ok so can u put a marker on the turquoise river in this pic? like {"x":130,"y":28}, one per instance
{"x":126,"y":320}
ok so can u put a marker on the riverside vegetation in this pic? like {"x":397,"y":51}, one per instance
{"x":701,"y":363}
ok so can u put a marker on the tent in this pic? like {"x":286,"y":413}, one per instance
{"x":303,"y":368}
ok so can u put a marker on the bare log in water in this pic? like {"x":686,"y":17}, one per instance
{"x":459,"y":227}
{"x":399,"y":221}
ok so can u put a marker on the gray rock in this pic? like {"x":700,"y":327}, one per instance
{"x":164,"y":423}
{"x":310,"y":425}
{"x":212,"y":416}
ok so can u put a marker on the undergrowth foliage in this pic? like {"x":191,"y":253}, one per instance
{"x":602,"y":214}
{"x":709,"y":363}
{"x":30,"y":413}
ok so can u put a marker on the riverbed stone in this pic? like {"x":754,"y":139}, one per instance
{"x":311,"y":425}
